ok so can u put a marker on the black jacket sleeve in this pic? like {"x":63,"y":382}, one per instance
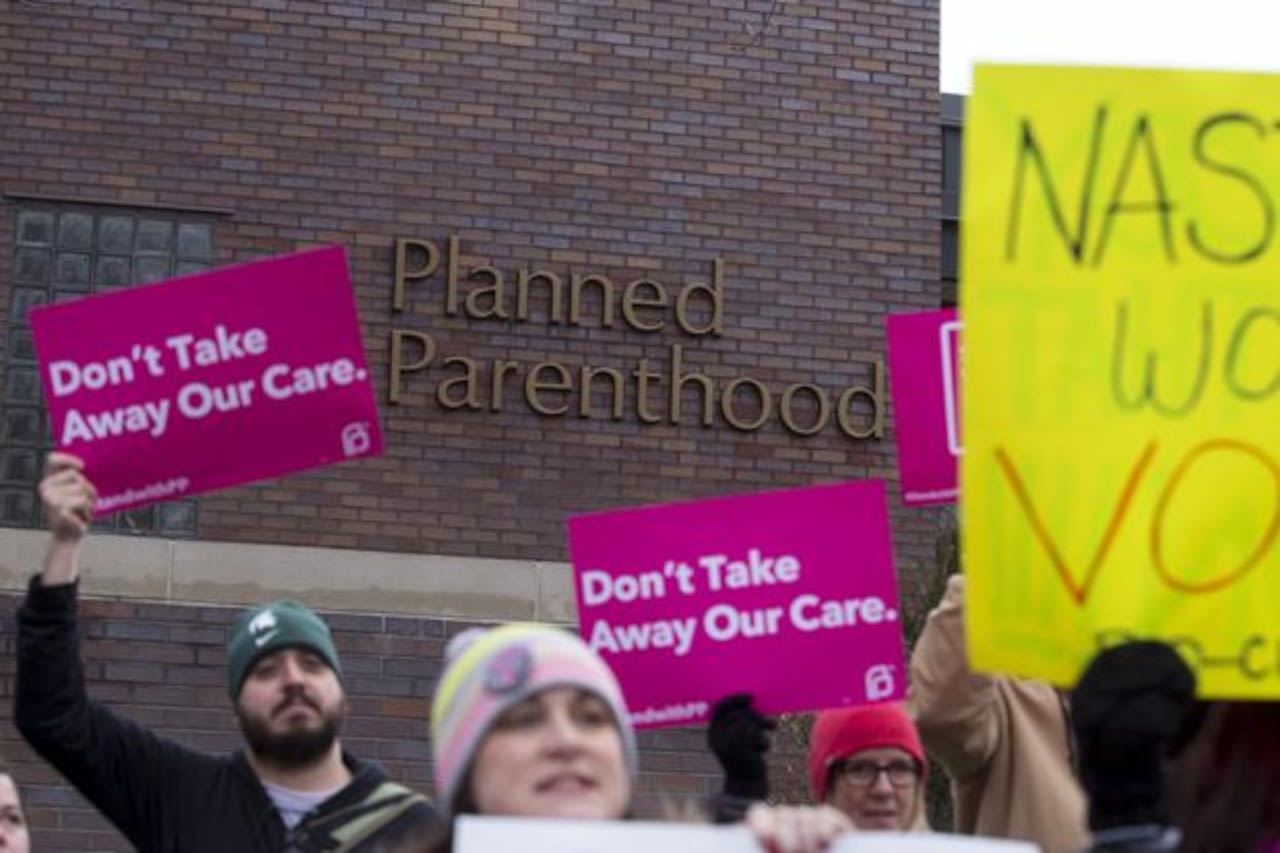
{"x":730,"y":808}
{"x":123,"y":769}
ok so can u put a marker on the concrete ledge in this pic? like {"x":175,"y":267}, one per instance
{"x":233,"y":573}
{"x":118,"y":566}
{"x":556,"y":599}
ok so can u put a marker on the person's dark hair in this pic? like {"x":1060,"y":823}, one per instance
{"x":1127,"y":710}
{"x":1228,"y":778}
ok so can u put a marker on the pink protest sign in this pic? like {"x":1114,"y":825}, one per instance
{"x":924,"y":377}
{"x":209,"y":381}
{"x":788,"y":595}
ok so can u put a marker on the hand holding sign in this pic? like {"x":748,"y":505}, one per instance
{"x":691,"y":602}
{"x":67,"y":497}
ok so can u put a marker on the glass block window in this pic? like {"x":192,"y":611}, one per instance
{"x":65,"y":252}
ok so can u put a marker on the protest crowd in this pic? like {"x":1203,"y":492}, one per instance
{"x":1123,"y":702}
{"x":527,"y":721}
{"x":720,"y":436}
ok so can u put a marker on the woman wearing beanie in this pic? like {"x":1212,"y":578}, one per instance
{"x":868,"y":762}
{"x":529,"y":722}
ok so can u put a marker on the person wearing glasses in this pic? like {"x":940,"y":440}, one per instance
{"x":868,"y":762}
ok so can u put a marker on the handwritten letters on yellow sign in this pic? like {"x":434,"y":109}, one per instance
{"x":1121,"y":474}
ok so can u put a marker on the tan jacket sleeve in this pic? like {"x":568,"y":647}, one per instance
{"x":956,"y":710}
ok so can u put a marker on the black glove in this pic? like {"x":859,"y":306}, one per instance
{"x":1127,"y":712}
{"x":739,"y":736}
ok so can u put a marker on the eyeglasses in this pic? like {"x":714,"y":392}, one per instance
{"x":864,"y":773}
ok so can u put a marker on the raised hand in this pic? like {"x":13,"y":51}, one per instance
{"x":67,"y":496}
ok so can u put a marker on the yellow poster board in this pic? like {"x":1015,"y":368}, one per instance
{"x":1121,"y":374}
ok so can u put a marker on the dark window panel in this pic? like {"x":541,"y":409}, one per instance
{"x":22,"y":385}
{"x":22,"y":346}
{"x":950,"y":250}
{"x":951,"y":172}
{"x":20,"y":426}
{"x":18,"y":507}
{"x":71,"y":271}
{"x":75,"y":231}
{"x":190,"y":267}
{"x":146,"y":270}
{"x":950,"y":294}
{"x":32,"y":265}
{"x":20,"y":465}
{"x":138,"y":520}
{"x":24,"y":299}
{"x":115,"y":234}
{"x":178,"y":517}
{"x":112,"y":271}
{"x":951,"y":158}
{"x":35,"y":227}
{"x":67,"y":295}
{"x":154,"y":236}
{"x":195,"y":241}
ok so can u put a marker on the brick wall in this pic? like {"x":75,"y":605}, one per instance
{"x":164,"y":666}
{"x":625,"y":138}
{"x":798,"y":141}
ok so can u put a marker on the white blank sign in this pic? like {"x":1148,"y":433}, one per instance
{"x":500,"y":835}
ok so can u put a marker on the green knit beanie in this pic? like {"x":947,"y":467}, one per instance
{"x":272,"y":626}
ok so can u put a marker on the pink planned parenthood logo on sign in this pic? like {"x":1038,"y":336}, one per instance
{"x":209,"y":381}
{"x":924,"y":377}
{"x":789,"y":595}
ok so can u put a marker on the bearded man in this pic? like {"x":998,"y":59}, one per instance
{"x":293,"y":788}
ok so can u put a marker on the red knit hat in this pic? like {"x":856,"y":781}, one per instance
{"x":840,"y":732}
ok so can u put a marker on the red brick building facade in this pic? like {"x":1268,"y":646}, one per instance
{"x":726,"y":196}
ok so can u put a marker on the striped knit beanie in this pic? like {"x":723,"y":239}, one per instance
{"x":490,"y":671}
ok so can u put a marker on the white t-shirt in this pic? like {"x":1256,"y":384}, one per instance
{"x":292,"y":804}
